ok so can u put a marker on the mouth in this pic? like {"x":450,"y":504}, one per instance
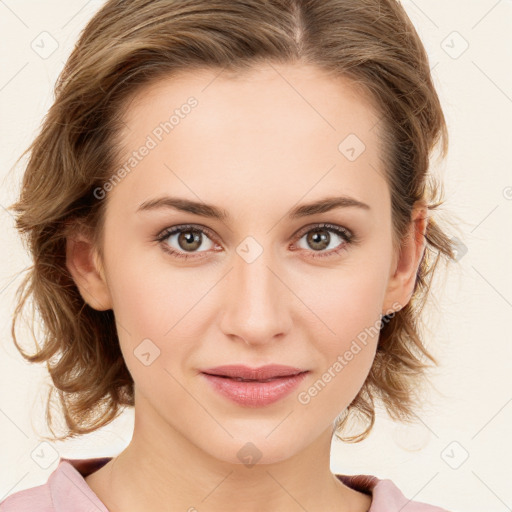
{"x":244,"y":373}
{"x":254,"y":387}
{"x":239,"y":379}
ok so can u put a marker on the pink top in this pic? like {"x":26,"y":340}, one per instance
{"x":66,"y":490}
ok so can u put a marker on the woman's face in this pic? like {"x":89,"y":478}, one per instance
{"x":260,"y":286}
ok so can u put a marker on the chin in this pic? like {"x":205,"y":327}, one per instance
{"x":255,"y":450}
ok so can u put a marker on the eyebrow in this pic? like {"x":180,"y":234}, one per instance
{"x":207,"y":210}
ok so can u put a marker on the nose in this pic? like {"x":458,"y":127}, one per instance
{"x":256,"y":301}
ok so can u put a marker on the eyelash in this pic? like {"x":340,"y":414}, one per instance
{"x":345,"y":234}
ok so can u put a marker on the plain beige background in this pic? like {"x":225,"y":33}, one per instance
{"x":457,"y":454}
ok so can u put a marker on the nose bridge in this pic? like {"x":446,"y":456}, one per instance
{"x":256,"y":299}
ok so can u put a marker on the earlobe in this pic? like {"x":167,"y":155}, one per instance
{"x":86,"y":269}
{"x":405,"y":266}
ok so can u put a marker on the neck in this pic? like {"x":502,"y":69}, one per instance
{"x":162,"y":470}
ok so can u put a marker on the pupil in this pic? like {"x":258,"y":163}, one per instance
{"x":190,"y":237}
{"x":319,"y":237}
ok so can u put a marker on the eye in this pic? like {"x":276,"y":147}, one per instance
{"x":319,"y":238}
{"x":186,"y":239}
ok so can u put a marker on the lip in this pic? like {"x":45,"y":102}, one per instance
{"x":268,"y":384}
{"x":241,"y":371}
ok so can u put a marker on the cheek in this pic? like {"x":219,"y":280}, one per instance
{"x":155,"y":333}
{"x":345,"y":302}
{"x":346,"y":362}
{"x":150,"y":296}
{"x":349,"y":309}
{"x":160,"y":313}
{"x":336,"y":383}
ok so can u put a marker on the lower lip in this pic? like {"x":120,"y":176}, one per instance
{"x":256,"y":393}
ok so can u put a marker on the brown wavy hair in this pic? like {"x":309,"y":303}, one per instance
{"x":131,"y":43}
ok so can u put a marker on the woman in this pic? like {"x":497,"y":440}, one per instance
{"x":287,"y":142}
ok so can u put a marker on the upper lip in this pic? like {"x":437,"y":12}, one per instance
{"x":245,"y":372}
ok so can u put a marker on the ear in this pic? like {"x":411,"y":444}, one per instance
{"x":406,"y":263}
{"x":85,"y":266}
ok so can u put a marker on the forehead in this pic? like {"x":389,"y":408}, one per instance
{"x":279,"y":92}
{"x":292,"y":127}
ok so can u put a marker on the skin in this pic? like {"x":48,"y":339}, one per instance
{"x":256,"y":145}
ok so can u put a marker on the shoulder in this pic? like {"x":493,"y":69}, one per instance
{"x":65,"y":489}
{"x":386,"y":496}
{"x":28,"y":500}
